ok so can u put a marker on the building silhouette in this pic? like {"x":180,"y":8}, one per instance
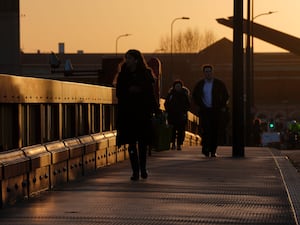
{"x":276,"y":75}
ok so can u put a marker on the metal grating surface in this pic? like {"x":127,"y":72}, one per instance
{"x":183,"y":188}
{"x":291,"y":179}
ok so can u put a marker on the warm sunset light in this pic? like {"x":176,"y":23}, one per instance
{"x":92,"y":26}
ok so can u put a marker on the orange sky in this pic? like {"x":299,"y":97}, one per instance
{"x":94,"y":25}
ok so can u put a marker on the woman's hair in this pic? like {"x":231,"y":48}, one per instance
{"x":177,"y":82}
{"x":137,"y":55}
{"x":141,"y":64}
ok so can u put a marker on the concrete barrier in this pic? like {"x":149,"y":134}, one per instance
{"x":75,"y":162}
{"x":191,"y":139}
{"x":14,"y":182}
{"x":101,"y":149}
{"x":28,"y":171}
{"x":39,"y":174}
{"x":112,"y":148}
{"x":59,"y":163}
{"x":89,"y":157}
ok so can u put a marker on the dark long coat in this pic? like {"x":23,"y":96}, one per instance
{"x":136,"y":106}
{"x":177,"y":105}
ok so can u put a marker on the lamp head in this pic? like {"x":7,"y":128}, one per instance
{"x":271,"y":12}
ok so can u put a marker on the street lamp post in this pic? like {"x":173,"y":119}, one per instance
{"x":248,"y":101}
{"x":252,"y":34}
{"x":122,"y":35}
{"x":252,"y":46}
{"x":173,"y":21}
{"x":250,"y":68}
{"x":253,"y":18}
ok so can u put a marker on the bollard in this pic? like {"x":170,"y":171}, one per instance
{"x":89,"y":157}
{"x":14,"y":182}
{"x":75,"y":162}
{"x":59,"y":163}
{"x":101,"y":149}
{"x":39,"y":175}
{"x":112,"y":148}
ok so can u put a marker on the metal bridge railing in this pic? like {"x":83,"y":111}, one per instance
{"x":35,"y":111}
{"x":52,"y":132}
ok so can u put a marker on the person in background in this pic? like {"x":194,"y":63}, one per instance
{"x":257,"y":132}
{"x":177,"y":104}
{"x":136,"y":106}
{"x":211,"y":96}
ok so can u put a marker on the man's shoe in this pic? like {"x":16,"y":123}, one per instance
{"x":213,"y":155}
{"x":178,"y":147}
{"x":173,"y":146}
{"x":134,"y":177}
{"x":144,"y":174}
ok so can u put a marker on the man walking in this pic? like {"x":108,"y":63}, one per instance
{"x":211,"y":96}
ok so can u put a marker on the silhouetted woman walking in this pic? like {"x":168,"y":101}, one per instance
{"x":136,"y":106}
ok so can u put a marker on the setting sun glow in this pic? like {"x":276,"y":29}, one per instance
{"x":93,"y":26}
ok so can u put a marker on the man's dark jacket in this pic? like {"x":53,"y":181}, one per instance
{"x":219,"y":95}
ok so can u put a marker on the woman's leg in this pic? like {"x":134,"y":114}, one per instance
{"x":180,"y":136}
{"x":173,"y":136}
{"x":143,"y":159}
{"x":134,"y":160}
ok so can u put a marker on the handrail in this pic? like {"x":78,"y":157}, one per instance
{"x":18,"y":89}
{"x":52,"y":132}
{"x":37,"y":110}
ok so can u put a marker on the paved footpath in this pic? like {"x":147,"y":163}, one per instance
{"x":183,"y":188}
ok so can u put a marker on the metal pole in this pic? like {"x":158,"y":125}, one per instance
{"x":173,"y":21}
{"x":252,"y":50}
{"x":117,"y":39}
{"x":238,"y":82}
{"x":248,"y":79}
{"x":250,"y":74}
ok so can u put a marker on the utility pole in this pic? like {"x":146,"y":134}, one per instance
{"x":238,"y":142}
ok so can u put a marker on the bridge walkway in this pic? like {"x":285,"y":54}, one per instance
{"x":183,"y":187}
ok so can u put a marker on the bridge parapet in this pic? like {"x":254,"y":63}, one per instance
{"x":39,"y":174}
{"x":14,"y":181}
{"x":53,"y":132}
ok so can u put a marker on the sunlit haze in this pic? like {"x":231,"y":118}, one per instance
{"x":94,"y":25}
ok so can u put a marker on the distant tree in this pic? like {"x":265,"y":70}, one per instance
{"x":187,"y":42}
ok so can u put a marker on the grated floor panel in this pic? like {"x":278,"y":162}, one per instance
{"x":183,"y":188}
